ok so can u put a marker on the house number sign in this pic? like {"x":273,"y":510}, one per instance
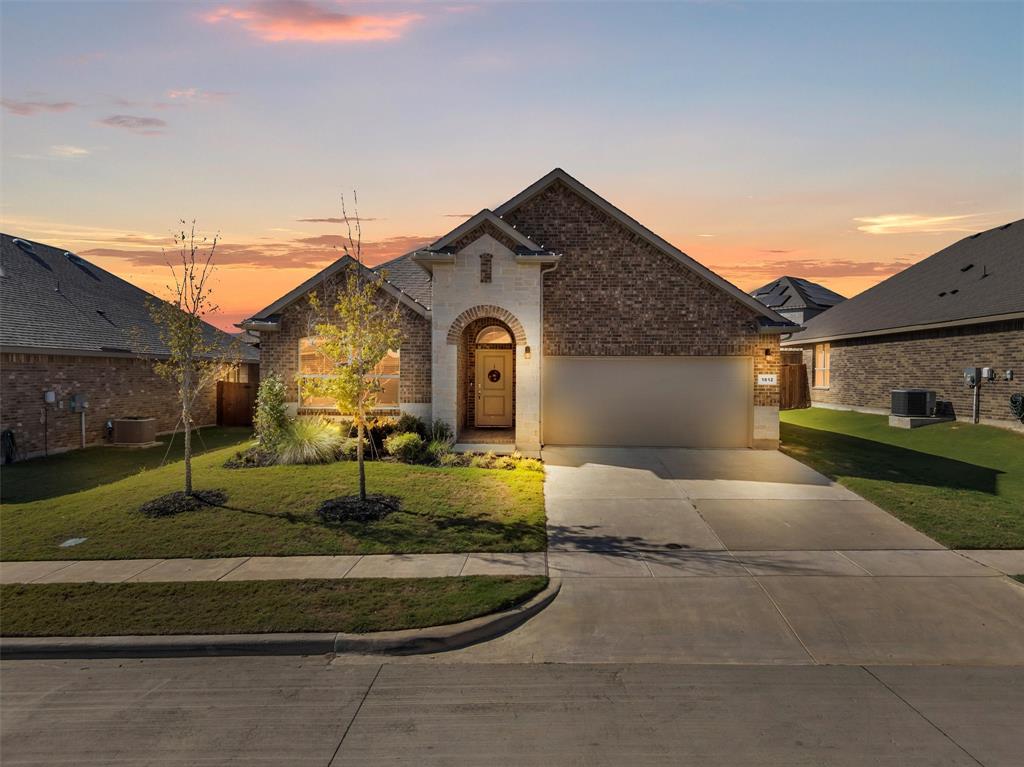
{"x":767,"y":379}
{"x":494,"y":376}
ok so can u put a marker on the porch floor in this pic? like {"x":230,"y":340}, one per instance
{"x":500,"y":436}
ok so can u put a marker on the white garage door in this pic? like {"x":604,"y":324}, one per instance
{"x":648,"y":401}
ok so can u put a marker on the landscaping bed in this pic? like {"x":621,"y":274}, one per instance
{"x":272,"y":511}
{"x":961,"y":484}
{"x":253,"y":607}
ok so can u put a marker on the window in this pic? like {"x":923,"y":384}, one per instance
{"x":494,"y":334}
{"x":485,"y":267}
{"x":314,"y":365}
{"x":822,"y":365}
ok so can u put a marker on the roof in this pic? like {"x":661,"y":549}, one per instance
{"x":408,"y":276}
{"x":52,"y":300}
{"x":268,"y":317}
{"x":772,"y":321}
{"x":792,"y":293}
{"x":980,"y":278}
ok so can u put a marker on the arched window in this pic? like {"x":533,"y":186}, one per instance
{"x":494,"y":334}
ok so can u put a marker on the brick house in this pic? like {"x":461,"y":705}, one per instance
{"x":558,"y":319}
{"x":797,"y":299}
{"x":961,"y":307}
{"x":70,"y":328}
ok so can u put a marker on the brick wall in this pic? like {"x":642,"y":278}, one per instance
{"x":115,"y":387}
{"x":613,"y":294}
{"x":279,"y":350}
{"x":864,"y":370}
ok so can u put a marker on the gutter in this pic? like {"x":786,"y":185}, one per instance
{"x":909,"y":328}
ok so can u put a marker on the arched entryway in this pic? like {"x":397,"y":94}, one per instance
{"x":487,"y":381}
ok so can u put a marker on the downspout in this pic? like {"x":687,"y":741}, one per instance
{"x":540,"y":356}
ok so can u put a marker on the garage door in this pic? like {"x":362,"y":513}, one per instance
{"x":648,"y":401}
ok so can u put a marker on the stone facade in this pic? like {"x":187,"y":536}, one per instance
{"x":279,"y":351}
{"x":115,"y":387}
{"x":865,"y":370}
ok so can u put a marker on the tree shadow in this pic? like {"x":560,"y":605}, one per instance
{"x":834,"y":455}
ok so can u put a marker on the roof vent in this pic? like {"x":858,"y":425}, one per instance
{"x":103,"y":314}
{"x":975,"y":236}
{"x":1006,"y":226}
{"x":942,"y":294}
{"x":954,"y":291}
{"x":966,"y":268}
{"x":81,"y":263}
{"x":26,"y":247}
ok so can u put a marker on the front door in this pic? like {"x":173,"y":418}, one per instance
{"x":493,"y":387}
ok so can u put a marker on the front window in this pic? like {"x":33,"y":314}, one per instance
{"x":822,"y":365}
{"x":494,"y":334}
{"x":312,"y":364}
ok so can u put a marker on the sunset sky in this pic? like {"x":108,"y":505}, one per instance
{"x":837,"y":142}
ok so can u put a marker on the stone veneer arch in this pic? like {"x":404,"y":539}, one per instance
{"x":486,"y":310}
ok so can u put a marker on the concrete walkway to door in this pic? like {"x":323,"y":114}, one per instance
{"x":743,"y":556}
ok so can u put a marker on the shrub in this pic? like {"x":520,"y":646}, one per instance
{"x":412,"y":424}
{"x":407,"y":447}
{"x":450,"y":460}
{"x":505,"y":462}
{"x":531,"y":464}
{"x":435,"y":451}
{"x":349,"y":448}
{"x":309,"y":440}
{"x":270,"y":418}
{"x":253,"y":458}
{"x":440,"y":431}
{"x":484,"y":461}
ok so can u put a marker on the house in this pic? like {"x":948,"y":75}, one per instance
{"x":557,"y":319}
{"x":797,"y":299}
{"x":961,"y":307}
{"x":77,"y":332}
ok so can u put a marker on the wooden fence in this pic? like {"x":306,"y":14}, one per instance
{"x":793,"y":392}
{"x":235,"y":403}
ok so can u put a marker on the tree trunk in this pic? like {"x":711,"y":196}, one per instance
{"x":359,"y":458}
{"x":188,"y":457}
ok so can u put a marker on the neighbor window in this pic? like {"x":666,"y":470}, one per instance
{"x":822,"y":365}
{"x":312,"y":364}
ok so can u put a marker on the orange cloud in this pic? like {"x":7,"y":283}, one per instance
{"x":302,"y":21}
{"x":912,"y":223}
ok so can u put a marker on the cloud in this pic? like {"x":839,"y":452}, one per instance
{"x":333,"y":220}
{"x":459,"y":215}
{"x":818,"y":269}
{"x":147,"y":126}
{"x":912,"y":223}
{"x":67,"y":150}
{"x":705,"y":235}
{"x":774,"y":250}
{"x":29,"y":108}
{"x":302,"y":253}
{"x":195,"y":95}
{"x":303,"y":21}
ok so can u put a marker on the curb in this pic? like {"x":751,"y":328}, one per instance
{"x":408,"y":642}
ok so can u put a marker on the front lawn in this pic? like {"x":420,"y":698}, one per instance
{"x":252,"y":607}
{"x":75,"y":470}
{"x":961,"y":484}
{"x":271,"y":511}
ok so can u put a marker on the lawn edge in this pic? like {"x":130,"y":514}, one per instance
{"x":432,"y":639}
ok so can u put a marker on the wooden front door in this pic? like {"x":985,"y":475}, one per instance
{"x":494,"y":387}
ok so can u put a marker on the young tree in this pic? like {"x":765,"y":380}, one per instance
{"x":352,"y":340}
{"x":196,"y":357}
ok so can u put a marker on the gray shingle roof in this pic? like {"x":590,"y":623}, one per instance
{"x":50,"y":299}
{"x":409,"y":277}
{"x":791,"y":293}
{"x":979,"y":276}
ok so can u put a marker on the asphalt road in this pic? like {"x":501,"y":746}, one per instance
{"x":312,"y":711}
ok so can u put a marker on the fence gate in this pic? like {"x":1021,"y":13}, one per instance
{"x":235,"y":403}
{"x":793,"y":391}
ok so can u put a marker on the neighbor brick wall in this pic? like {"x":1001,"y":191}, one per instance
{"x":279,"y":350}
{"x":115,"y":387}
{"x":613,"y":294}
{"x":865,"y":370}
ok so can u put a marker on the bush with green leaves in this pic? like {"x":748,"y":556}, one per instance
{"x":407,"y":447}
{"x":435,"y":450}
{"x":440,"y":431}
{"x":309,"y":440}
{"x":271,"y":417}
{"x":349,"y":448}
{"x":408,"y":423}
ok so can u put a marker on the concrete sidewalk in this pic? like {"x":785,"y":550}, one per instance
{"x":274,"y":568}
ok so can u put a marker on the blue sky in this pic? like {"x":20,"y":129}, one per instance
{"x":837,"y":141}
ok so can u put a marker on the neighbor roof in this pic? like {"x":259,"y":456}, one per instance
{"x":792,"y":293}
{"x":53,"y":300}
{"x":980,"y":278}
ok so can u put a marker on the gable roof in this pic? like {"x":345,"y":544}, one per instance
{"x":978,"y":279}
{"x":268,"y":317}
{"x":409,"y":277}
{"x":559,"y":175}
{"x":792,"y":293}
{"x":485,"y":216}
{"x":53,"y":300}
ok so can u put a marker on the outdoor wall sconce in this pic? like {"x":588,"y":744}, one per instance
{"x":768,"y":354}
{"x":49,"y":397}
{"x":526,"y":353}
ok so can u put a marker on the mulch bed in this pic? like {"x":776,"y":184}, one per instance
{"x":349,"y":508}
{"x":178,"y":503}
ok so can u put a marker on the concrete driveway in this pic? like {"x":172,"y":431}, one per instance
{"x":744,"y":556}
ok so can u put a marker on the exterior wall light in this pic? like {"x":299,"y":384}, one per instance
{"x":768,"y":353}
{"x":526,"y":353}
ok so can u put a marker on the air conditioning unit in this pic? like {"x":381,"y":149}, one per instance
{"x":917,"y":403}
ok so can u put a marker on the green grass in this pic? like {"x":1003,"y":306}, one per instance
{"x":961,"y":484}
{"x":272,"y":511}
{"x":251,"y":607}
{"x":65,"y":473}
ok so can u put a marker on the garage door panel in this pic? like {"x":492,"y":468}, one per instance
{"x":648,"y":401}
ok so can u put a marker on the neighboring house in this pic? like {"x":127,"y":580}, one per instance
{"x":962,"y":307}
{"x":558,"y":319}
{"x":71,"y":328}
{"x":796,"y":299}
